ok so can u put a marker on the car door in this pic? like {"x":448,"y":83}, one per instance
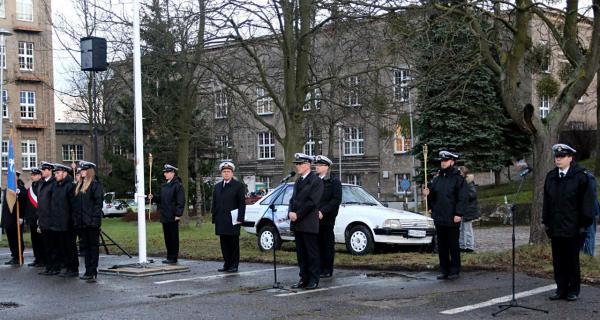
{"x":281,"y":214}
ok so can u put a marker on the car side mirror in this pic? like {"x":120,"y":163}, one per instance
{"x":272,"y":207}
{"x":385,"y":204}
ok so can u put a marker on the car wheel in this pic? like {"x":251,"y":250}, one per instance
{"x":359,"y":241}
{"x":268,"y":237}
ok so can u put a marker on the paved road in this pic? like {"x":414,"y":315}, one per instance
{"x":203,"y":293}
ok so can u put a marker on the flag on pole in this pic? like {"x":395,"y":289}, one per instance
{"x":11,"y":182}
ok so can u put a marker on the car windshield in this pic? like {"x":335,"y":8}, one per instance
{"x":267,"y":199}
{"x":357,"y":195}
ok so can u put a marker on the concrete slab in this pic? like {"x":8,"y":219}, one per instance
{"x":143,"y":270}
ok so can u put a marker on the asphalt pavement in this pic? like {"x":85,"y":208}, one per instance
{"x":204,"y":293}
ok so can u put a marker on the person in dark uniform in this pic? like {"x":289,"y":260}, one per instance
{"x":304,"y":216}
{"x":229,"y":195}
{"x":447,"y":196}
{"x":328,"y":210}
{"x":10,"y":221}
{"x":50,"y":237}
{"x":87,"y":216}
{"x":567,"y":212}
{"x":31,"y":216}
{"x":61,"y":212}
{"x":171,"y":203}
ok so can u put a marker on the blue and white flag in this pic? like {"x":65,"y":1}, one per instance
{"x":11,"y":182}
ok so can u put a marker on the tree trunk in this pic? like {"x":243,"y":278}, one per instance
{"x":199,"y":199}
{"x":542,"y":163}
{"x":293,"y":142}
{"x":497,"y":177}
{"x":597,"y":162}
{"x":183,"y":153}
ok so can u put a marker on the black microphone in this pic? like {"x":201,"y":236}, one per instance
{"x":526,"y":171}
{"x":286,"y":178}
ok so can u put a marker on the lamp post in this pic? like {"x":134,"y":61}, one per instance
{"x":340,"y":148}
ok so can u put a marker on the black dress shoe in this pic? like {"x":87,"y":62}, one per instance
{"x":325,"y":275}
{"x":86,"y":276}
{"x":556,"y":296}
{"x":33,"y":264}
{"x":223,"y":269}
{"x":453,"y":276}
{"x":572,"y":297}
{"x":169,"y":261}
{"x":299,"y":285}
{"x":69,"y":274}
{"x":442,"y":277}
{"x":50,"y":273}
{"x":311,"y":286}
{"x":12,"y":262}
{"x":232,"y":270}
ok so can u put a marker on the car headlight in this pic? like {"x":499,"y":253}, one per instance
{"x":392,"y":224}
{"x":430,"y":223}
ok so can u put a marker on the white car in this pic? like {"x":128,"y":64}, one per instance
{"x":112,"y":206}
{"x":361,"y":223}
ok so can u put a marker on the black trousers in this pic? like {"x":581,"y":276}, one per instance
{"x":13,"y":242}
{"x":565,"y":260}
{"x":89,"y":239}
{"x":230,"y":248}
{"x":326,"y":248}
{"x":53,"y":250}
{"x":171,"y":234}
{"x":37,"y":243}
{"x":448,"y":249}
{"x":68,"y":245}
{"x":307,"y":253}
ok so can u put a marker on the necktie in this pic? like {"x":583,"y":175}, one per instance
{"x":562,"y":174}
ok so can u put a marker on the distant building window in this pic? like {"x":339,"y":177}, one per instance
{"x":313,"y":100}
{"x":3,"y":56}
{"x":29,"y":154}
{"x":544,"y":106}
{"x":222,"y":146}
{"x":577,"y":125}
{"x":353,"y":91}
{"x":4,"y":103}
{"x":401,"y":85}
{"x":266,"y":146}
{"x":221,"y":104}
{"x":72,"y":152}
{"x":400,"y":177}
{"x":27,"y":103}
{"x":2,"y":8}
{"x":4,"y":154}
{"x":24,"y":10}
{"x":309,"y":146}
{"x":353,"y":179}
{"x":401,"y":142}
{"x":117,"y":150}
{"x":264,"y":103}
{"x":26,"y":56}
{"x":263,"y":182}
{"x":354,"y":141}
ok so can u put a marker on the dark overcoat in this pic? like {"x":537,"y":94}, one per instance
{"x":227,"y":198}
{"x":305,"y":203}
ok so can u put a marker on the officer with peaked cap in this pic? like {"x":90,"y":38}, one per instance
{"x":10,"y":223}
{"x":304,"y":216}
{"x":447,"y":195}
{"x":171,"y":204}
{"x":51,"y":239}
{"x":567,"y":212}
{"x":328,"y":210}
{"x":229,"y":195}
{"x":31,"y":215}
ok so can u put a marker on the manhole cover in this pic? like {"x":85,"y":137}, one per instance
{"x":8,"y":305}
{"x":384,"y":274}
{"x":169,"y":295}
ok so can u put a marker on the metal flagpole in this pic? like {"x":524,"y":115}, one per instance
{"x":139,"y":142}
{"x":19,"y":235}
{"x":149,"y":185}
{"x":425,"y":172}
{"x":3,"y":33}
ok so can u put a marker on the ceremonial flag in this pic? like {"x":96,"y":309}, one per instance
{"x":11,"y":182}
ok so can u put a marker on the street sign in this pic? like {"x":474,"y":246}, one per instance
{"x":405,"y":184}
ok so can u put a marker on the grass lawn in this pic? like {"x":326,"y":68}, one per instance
{"x":200,"y":242}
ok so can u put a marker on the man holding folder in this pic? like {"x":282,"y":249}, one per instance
{"x":229,"y":202}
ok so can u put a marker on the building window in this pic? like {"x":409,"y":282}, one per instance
{"x":117,"y":150}
{"x":544,"y":106}
{"x":352,"y":92}
{"x":576,"y":125}
{"x":222,"y":145}
{"x":313,"y":100}
{"x":309,"y":146}
{"x":354,"y":141}
{"x":4,"y":103}
{"x":5,"y":154}
{"x":263,"y":183}
{"x":24,"y":10}
{"x":266,"y":146}
{"x":401,"y":142}
{"x":353,"y":179}
{"x":221,"y":104}
{"x":72,"y":152}
{"x":403,"y":179}
{"x":401,"y":82}
{"x":26,"y":56}
{"x":2,"y":8}
{"x":264,"y":103}
{"x":27,"y":102}
{"x":29,"y":154}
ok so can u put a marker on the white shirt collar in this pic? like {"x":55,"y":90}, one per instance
{"x":305,"y":175}
{"x":563,"y":171}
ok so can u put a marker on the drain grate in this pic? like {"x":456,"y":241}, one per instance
{"x":169,"y":295}
{"x":8,"y":305}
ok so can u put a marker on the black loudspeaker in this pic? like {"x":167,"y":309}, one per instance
{"x":93,"y":54}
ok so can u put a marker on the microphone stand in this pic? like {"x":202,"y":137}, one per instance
{"x":276,"y":284}
{"x":513,"y":302}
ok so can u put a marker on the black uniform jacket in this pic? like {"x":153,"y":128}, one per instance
{"x":472,"y":209}
{"x":447,"y":197}
{"x":9,"y":220}
{"x":568,"y":202}
{"x":30,"y":209}
{"x":225,"y":199}
{"x":45,"y":189}
{"x":61,"y":205}
{"x":330,"y":200}
{"x":305,"y":202}
{"x":87,"y":206}
{"x":171,"y":200}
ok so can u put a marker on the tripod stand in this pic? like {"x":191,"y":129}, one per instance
{"x":513,"y":302}
{"x":280,"y":192}
{"x":113,"y":243}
